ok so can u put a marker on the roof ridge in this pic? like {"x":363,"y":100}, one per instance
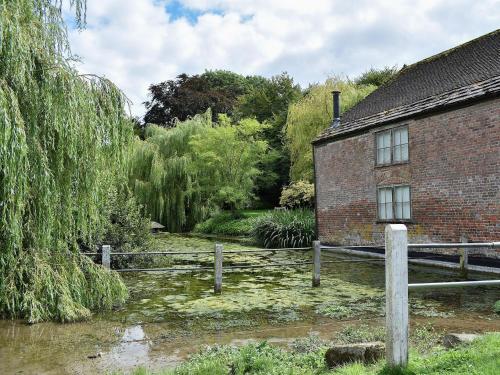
{"x":436,"y":56}
{"x":484,"y":88}
{"x":447,"y":51}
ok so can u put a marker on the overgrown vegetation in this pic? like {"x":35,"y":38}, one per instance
{"x":63,"y":142}
{"x":239,"y":223}
{"x":285,"y":228}
{"x":480,"y":357}
{"x":300,"y":194}
{"x":308,"y":117}
{"x":184,"y":173}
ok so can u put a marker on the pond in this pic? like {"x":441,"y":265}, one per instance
{"x":170,"y":315}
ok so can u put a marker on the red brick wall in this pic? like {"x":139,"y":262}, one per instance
{"x":453,"y":171}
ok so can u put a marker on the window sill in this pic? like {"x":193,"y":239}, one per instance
{"x":391,"y":164}
{"x":396,"y":221}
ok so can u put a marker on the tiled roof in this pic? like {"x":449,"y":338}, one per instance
{"x":464,"y":73}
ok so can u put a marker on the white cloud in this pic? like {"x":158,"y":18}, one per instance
{"x":136,"y":43}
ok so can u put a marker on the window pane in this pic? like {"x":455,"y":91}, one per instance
{"x":385,"y":203}
{"x":399,"y":194}
{"x":406,"y":193}
{"x":380,"y":156}
{"x":397,"y":153}
{"x":384,"y":148}
{"x":381,"y":211}
{"x":406,"y":210}
{"x":404,"y":152}
{"x":388,"y":210}
{"x":388,"y":195}
{"x":399,"y":210}
{"x":380,"y":141}
{"x":404,"y":135}
{"x":397,"y":137}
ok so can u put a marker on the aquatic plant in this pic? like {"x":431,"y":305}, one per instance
{"x":281,"y":229}
{"x":63,"y":137}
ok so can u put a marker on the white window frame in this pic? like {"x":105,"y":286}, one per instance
{"x":393,"y":147}
{"x":397,"y":207}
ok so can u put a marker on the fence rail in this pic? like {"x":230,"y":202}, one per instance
{"x":218,"y":267}
{"x":462,"y":245}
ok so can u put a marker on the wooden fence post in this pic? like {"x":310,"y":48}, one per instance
{"x":316,"y":263}
{"x":464,"y":262}
{"x":218,"y":269}
{"x":396,"y":294}
{"x":106,"y":256}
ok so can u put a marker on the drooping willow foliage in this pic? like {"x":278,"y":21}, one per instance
{"x":63,"y":139}
{"x":183,"y":173}
{"x":161,"y":174}
{"x":308,"y":117}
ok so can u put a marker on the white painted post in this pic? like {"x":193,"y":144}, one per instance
{"x":218,"y":269}
{"x":106,"y":256}
{"x":316,"y":263}
{"x":396,"y":294}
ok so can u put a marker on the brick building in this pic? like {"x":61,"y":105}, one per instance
{"x":423,"y":149}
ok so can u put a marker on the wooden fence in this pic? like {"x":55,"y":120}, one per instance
{"x":396,"y":287}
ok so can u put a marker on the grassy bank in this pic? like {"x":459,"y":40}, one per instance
{"x":240,"y":223}
{"x":269,"y":228}
{"x":480,"y":357}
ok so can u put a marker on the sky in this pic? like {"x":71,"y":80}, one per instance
{"x":136,"y":43}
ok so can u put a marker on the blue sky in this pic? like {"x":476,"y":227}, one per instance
{"x":136,"y":43}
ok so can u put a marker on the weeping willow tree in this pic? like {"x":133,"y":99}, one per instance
{"x":63,"y":138}
{"x":308,"y":117}
{"x":183,"y":173}
{"x":162,"y":176}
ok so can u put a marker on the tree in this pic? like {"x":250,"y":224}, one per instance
{"x":268,"y":102}
{"x":376,"y":77}
{"x":226,"y":158}
{"x":181,"y":174}
{"x":308,"y":117}
{"x":187,"y":96}
{"x":63,"y":138}
{"x":161,"y":174}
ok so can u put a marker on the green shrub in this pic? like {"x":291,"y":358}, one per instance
{"x":280,"y":229}
{"x":226,"y":224}
{"x":127,"y":230}
{"x":496,"y":307}
{"x":298,"y":195}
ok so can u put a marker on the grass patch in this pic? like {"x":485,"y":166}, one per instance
{"x":240,"y":223}
{"x":480,"y":357}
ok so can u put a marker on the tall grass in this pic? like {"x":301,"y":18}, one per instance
{"x":281,"y":229}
